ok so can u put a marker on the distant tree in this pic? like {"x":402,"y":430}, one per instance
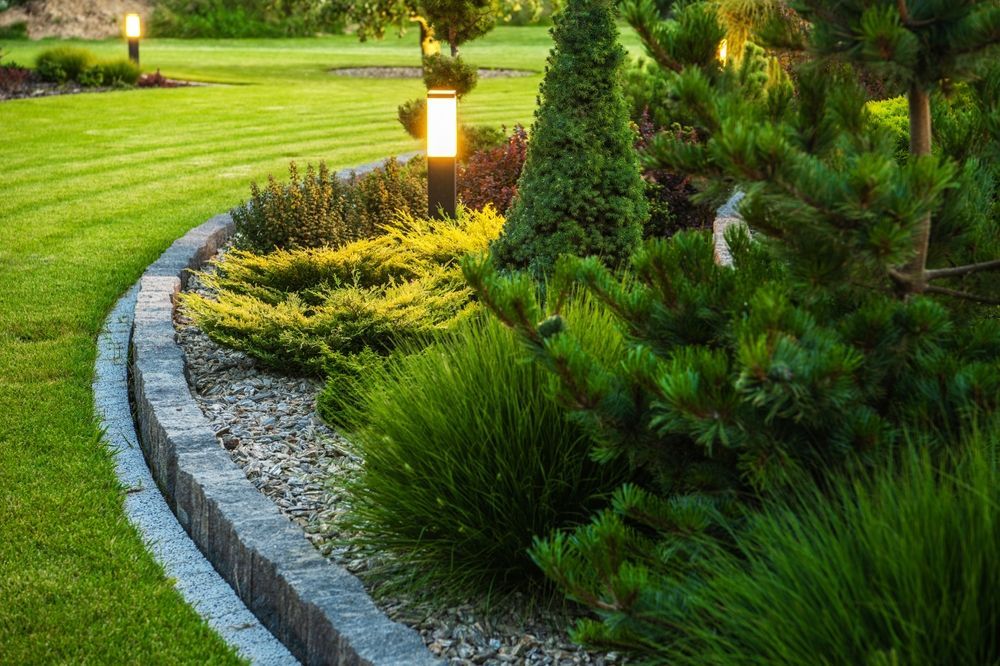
{"x":453,"y":21}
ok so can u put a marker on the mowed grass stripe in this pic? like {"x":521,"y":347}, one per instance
{"x":95,"y":187}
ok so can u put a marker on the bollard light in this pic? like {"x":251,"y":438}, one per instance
{"x":442,"y":146}
{"x":133,"y":31}
{"x":723,"y":51}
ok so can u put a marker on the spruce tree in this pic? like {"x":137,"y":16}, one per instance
{"x":581,"y":191}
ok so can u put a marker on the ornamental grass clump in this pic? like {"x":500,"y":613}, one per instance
{"x":311,"y":310}
{"x":466,"y":457}
{"x":898,"y":569}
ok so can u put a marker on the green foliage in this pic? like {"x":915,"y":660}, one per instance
{"x":440,"y":71}
{"x":580,"y":191}
{"x":115,"y":73}
{"x":310,"y":310}
{"x":738,"y":384}
{"x":63,"y":64}
{"x":323,"y":210}
{"x":454,"y":21}
{"x":461,"y":21}
{"x":13,"y":31}
{"x":476,"y":138}
{"x":412,"y":116}
{"x":247,"y":18}
{"x":466,"y":458}
{"x":895,"y":570}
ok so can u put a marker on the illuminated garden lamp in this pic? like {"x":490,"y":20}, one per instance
{"x":442,"y":145}
{"x":133,"y":31}
{"x":723,"y":51}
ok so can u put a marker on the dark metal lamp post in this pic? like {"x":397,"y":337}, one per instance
{"x":133,"y":31}
{"x":442,"y":145}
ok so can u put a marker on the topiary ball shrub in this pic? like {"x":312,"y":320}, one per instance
{"x":440,"y":71}
{"x":413,"y":117}
{"x":489,"y":178}
{"x":63,"y":64}
{"x":466,"y":458}
{"x":581,"y":191}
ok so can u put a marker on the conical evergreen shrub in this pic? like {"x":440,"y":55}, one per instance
{"x":581,"y":191}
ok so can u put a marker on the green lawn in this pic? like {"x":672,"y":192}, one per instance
{"x":94,"y":187}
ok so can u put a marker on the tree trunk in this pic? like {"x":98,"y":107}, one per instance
{"x":451,"y":43}
{"x":428,"y":44}
{"x":920,"y":144}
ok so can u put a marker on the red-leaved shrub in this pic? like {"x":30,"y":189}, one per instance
{"x":157,"y":80}
{"x":669,"y":194}
{"x":490,"y":176}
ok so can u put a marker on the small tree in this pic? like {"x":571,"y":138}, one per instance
{"x":924,"y":45}
{"x":581,"y":190}
{"x":455,"y":21}
{"x":819,"y":350}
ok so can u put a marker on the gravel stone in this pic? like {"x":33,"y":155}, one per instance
{"x":268,"y":424}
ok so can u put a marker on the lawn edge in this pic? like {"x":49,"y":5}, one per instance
{"x":318,"y":610}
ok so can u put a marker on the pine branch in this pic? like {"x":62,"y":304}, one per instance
{"x":938,"y":273}
{"x":961,"y":294}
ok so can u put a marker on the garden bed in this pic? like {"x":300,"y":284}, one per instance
{"x":269,"y":425}
{"x":36,"y":88}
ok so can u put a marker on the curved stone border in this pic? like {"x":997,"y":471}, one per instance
{"x":318,"y":610}
{"x":195,"y":578}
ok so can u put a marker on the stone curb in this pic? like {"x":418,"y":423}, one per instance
{"x":319,"y":611}
{"x":146,"y":508}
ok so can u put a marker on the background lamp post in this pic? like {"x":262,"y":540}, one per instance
{"x":442,"y":145}
{"x":133,"y":31}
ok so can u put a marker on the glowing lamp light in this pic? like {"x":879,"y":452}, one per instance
{"x":133,"y":26}
{"x":133,"y":31}
{"x":442,"y":146}
{"x":723,"y":51}
{"x":442,"y":123}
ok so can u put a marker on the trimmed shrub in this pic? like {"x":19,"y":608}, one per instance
{"x":413,"y":117}
{"x":466,"y":458}
{"x":581,"y":191}
{"x":321,"y":210}
{"x":312,"y":310}
{"x":303,"y":213}
{"x":489,"y":178}
{"x":63,"y":64}
{"x":115,"y":73}
{"x":897,"y":570}
{"x":440,"y":71}
{"x":380,"y":195}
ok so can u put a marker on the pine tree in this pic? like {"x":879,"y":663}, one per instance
{"x":581,"y":190}
{"x":818,"y":351}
